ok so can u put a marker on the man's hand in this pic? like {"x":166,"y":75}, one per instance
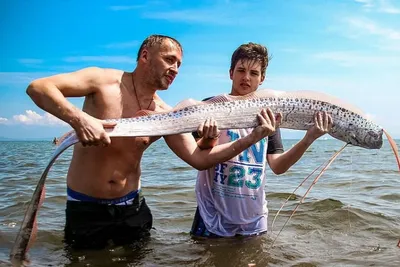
{"x":322,"y":125}
{"x":208,"y":129}
{"x":268,"y":124}
{"x":91,"y":131}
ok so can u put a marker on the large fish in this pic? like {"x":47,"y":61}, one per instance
{"x":235,"y":112}
{"x":230,"y":112}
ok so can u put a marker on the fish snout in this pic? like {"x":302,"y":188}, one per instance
{"x":370,"y":139}
{"x":376,"y":138}
{"x":373,"y":139}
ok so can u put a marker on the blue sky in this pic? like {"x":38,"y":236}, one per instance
{"x":346,"y":48}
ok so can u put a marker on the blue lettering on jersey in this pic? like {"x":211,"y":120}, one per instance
{"x":219,"y":173}
{"x":256,"y":149}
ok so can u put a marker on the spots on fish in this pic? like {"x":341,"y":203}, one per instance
{"x":297,"y":114}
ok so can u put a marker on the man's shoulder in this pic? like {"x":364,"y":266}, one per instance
{"x":103,"y":75}
{"x":101,"y":71}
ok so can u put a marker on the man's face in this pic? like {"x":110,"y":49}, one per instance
{"x":246,"y":77}
{"x":164,"y":62}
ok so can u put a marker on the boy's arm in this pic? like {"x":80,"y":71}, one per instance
{"x":185,"y":147}
{"x":280,"y":163}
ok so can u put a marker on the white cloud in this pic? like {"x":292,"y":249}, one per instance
{"x":221,"y":13}
{"x":3,"y":120}
{"x":387,"y":7}
{"x":364,"y":26}
{"x":32,"y":118}
{"x":366,"y":3}
{"x":197,"y":16}
{"x":357,"y":59}
{"x":369,"y":33}
{"x":380,"y":6}
{"x":105,"y":59}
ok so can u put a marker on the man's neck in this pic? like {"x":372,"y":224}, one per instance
{"x":144,"y":92}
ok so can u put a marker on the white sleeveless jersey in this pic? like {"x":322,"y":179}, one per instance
{"x":231,"y":196}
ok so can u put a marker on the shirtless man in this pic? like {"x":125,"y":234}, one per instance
{"x":104,"y":198}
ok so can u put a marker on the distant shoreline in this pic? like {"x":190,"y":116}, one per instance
{"x":26,"y":140}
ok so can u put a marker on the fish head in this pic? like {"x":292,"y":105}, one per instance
{"x":369,"y":137}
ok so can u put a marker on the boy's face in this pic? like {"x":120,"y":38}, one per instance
{"x":246,"y":77}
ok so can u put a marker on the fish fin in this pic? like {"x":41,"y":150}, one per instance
{"x":217,"y":99}
{"x":186,"y":103}
{"x":394,"y":147}
{"x":258,"y":94}
{"x":268,"y":93}
{"x":145,"y":112}
{"x":313,"y":95}
{"x":308,"y":190}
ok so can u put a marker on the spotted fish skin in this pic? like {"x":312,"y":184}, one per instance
{"x":349,"y":126}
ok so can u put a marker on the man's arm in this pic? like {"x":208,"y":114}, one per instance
{"x":50,"y":95}
{"x":185,"y":147}
{"x":280,"y":163}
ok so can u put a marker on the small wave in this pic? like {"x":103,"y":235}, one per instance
{"x":390,"y":197}
{"x":327,"y":204}
{"x":379,"y":171}
{"x":343,"y":184}
{"x":372,"y":187}
{"x":29,"y":164}
{"x":283,"y":196}
{"x":305,"y":264}
{"x":180,"y":168}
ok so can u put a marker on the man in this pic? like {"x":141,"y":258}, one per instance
{"x":230,"y":196}
{"x":104,"y":197}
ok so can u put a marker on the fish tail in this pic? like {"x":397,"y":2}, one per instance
{"x":33,"y":236}
{"x":27,"y":233}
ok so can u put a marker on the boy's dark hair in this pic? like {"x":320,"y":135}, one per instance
{"x":251,"y":51}
{"x":154,"y":40}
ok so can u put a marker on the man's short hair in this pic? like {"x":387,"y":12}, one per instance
{"x":154,"y":40}
{"x":251,"y":51}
